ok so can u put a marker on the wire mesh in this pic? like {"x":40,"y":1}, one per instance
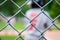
{"x":20,"y":10}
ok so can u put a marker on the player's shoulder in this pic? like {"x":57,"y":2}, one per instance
{"x":33,"y":10}
{"x":29,"y":10}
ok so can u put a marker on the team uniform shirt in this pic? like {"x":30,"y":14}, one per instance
{"x":41,"y":22}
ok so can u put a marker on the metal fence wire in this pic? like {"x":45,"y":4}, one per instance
{"x":20,"y":10}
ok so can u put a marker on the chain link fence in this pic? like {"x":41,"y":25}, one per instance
{"x":20,"y":10}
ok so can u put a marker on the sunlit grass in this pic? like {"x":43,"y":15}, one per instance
{"x":19,"y":26}
{"x":9,"y":38}
{"x":2,"y":24}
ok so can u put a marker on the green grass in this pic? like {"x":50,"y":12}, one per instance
{"x":2,"y":24}
{"x":19,"y":26}
{"x":9,"y":38}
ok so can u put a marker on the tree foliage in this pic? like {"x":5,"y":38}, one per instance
{"x":53,"y":8}
{"x":9,"y":8}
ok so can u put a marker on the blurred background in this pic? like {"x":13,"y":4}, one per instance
{"x":8,"y":9}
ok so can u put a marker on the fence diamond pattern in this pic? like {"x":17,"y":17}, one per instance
{"x":20,"y":10}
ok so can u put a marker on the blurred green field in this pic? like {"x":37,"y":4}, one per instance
{"x":9,"y":38}
{"x":18,"y":26}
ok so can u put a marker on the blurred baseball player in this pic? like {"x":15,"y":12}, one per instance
{"x":41,"y":22}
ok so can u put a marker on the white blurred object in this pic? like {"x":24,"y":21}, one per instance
{"x":29,"y":3}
